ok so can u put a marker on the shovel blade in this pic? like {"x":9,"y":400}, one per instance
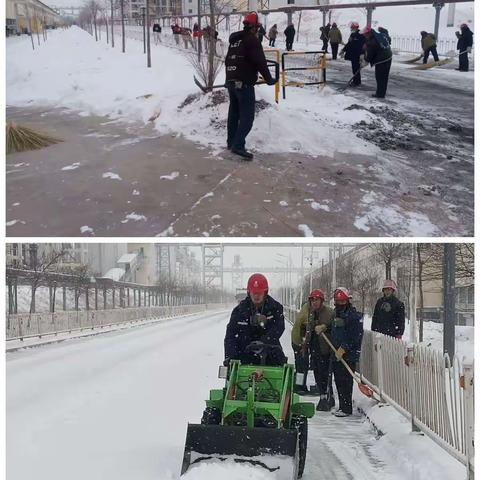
{"x":258,"y":446}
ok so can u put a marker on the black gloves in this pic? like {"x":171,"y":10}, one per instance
{"x":272,"y":81}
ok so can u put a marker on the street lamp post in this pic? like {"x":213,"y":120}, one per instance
{"x":143,"y":25}
{"x":149,"y":58}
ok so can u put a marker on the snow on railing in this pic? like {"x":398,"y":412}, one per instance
{"x":436,"y":394}
{"x":28,"y":325}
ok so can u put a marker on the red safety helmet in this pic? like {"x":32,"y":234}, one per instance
{"x":251,"y":19}
{"x":257,"y":283}
{"x":341,"y":294}
{"x":367,"y":29}
{"x":354,"y":25}
{"x":316,"y":294}
{"x":389,"y":284}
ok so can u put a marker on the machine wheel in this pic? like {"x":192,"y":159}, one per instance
{"x":211,"y":416}
{"x":301,"y":424}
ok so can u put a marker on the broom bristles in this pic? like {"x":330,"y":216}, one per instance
{"x":22,"y":139}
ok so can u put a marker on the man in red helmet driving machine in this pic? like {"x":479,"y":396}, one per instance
{"x":257,"y":318}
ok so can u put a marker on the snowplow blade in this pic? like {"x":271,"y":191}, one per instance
{"x":270,"y":448}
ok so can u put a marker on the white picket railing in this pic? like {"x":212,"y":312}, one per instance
{"x":410,"y":44}
{"x":25,"y":325}
{"x":436,"y":394}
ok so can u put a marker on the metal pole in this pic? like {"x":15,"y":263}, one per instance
{"x":143,"y":24}
{"x":334,"y":269}
{"x":438,"y":7}
{"x":112,"y":22}
{"x":413,"y":296}
{"x":149,"y":57}
{"x":199,"y":37}
{"x":300,"y":300}
{"x":369,"y":16}
{"x":123,"y":26}
{"x":311,"y":268}
{"x":449,"y":300}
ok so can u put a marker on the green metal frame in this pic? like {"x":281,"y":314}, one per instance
{"x":257,"y":391}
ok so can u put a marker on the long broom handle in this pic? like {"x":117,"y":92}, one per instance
{"x":345,"y":364}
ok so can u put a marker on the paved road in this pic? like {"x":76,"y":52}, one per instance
{"x":121,"y":402}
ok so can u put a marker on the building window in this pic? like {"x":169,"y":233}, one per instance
{"x":190,"y":10}
{"x":470,"y":295}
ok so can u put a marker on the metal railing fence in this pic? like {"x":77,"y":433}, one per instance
{"x":436,"y":394}
{"x":412,"y":44}
{"x":26,"y":325}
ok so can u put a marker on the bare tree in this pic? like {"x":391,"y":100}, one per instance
{"x":47,"y":262}
{"x":94,"y":8}
{"x":365,"y":286}
{"x":388,"y":253}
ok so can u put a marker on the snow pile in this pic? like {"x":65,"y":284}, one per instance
{"x":73,"y":71}
{"x":277,"y":467}
{"x":414,"y":454}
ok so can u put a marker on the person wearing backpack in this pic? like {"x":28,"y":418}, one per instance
{"x":379,"y":55}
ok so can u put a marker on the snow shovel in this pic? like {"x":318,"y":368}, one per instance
{"x":365,"y":389}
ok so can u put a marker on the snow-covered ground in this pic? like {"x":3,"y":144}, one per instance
{"x":91,"y":78}
{"x":117,"y":406}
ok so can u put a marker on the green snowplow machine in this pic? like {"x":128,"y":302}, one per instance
{"x":256,"y":418}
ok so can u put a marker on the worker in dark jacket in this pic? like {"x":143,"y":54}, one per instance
{"x":289,"y":33}
{"x":347,"y":334}
{"x":314,"y":319}
{"x":379,"y":55}
{"x":389,"y":314}
{"x":352,"y":51}
{"x":324,"y":34}
{"x":261,"y":32}
{"x":245,"y":59}
{"x":258,"y":318}
{"x":385,"y":32}
{"x":464,"y":46}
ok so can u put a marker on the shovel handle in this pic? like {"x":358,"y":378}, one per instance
{"x":345,"y":364}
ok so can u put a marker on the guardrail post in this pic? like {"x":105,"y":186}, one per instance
{"x":410,"y":362}
{"x":20,"y":327}
{"x":378,"y":350}
{"x":469,"y":419}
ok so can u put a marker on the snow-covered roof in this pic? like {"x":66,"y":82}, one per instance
{"x":115,"y":274}
{"x":127,"y":258}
